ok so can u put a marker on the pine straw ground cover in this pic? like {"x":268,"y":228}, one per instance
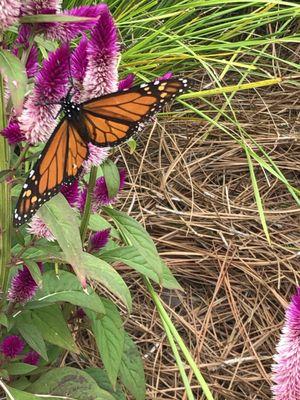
{"x":190,"y":185}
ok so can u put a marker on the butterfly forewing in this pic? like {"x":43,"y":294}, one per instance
{"x":60,"y":162}
{"x":113,"y":118}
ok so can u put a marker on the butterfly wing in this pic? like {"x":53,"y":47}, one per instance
{"x":59,"y":163}
{"x":112,"y":119}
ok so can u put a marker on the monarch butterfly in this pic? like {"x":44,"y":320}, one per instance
{"x":105,"y":121}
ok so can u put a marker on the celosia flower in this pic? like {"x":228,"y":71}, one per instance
{"x":9,"y":13}
{"x":99,"y":240}
{"x":37,"y":120}
{"x":23,"y":287}
{"x":71,"y":192}
{"x":38,"y":228}
{"x":127,"y":82}
{"x":80,"y":313}
{"x":12,"y":346}
{"x":78,"y":67}
{"x":102,"y":54}
{"x":96,"y":157}
{"x":32,"y":358}
{"x":167,"y":75}
{"x":13,"y":132}
{"x":100,"y":194}
{"x":287,"y":360}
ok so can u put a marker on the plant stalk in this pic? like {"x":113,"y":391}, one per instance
{"x":5,"y":200}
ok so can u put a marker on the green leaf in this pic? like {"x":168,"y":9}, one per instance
{"x":16,"y":394}
{"x":100,"y":376}
{"x":132,"y":371}
{"x":35,"y":271}
{"x":3,"y":320}
{"x":19,"y":368}
{"x":130,"y":256}
{"x":104,"y":273}
{"x":112,"y":177}
{"x":109,"y":336}
{"x":66,"y":287}
{"x":53,"y":327}
{"x":69,"y":382}
{"x":138,"y":237}
{"x":21,"y":383}
{"x":42,"y":18}
{"x":31,"y":333}
{"x":64,"y":225}
{"x":132,"y":145}
{"x":14,"y":71}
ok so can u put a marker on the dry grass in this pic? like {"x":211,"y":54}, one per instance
{"x":194,"y":195}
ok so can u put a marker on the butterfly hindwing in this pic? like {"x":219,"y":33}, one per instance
{"x":112,"y":119}
{"x":60,"y":161}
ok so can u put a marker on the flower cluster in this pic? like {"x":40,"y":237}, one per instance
{"x":12,"y":346}
{"x":287,"y":360}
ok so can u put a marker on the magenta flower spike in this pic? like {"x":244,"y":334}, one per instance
{"x":71,"y":192}
{"x":13,"y":133}
{"x":37,"y":119}
{"x":12,"y":346}
{"x":32,"y":358}
{"x":23,"y":287}
{"x":9,"y":13}
{"x":99,"y":240}
{"x":286,"y":367}
{"x":102,"y":54}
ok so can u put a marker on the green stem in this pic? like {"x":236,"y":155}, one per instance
{"x":88,"y":203}
{"x":178,"y":361}
{"x":164,"y":317}
{"x":5,"y":200}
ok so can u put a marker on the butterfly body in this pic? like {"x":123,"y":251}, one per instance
{"x":105,"y":121}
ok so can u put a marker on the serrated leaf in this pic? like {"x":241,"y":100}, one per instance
{"x":132,"y":371}
{"x":112,"y":177}
{"x":54,"y":329}
{"x":31,"y":333}
{"x":100,"y":376}
{"x":130,"y":256}
{"x":14,"y":71}
{"x":19,"y":368}
{"x":68,"y":382}
{"x":64,"y":225}
{"x":138,"y":237}
{"x":109,"y":335}
{"x":104,"y":273}
{"x":66,"y":287}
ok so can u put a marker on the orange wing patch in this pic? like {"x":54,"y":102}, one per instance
{"x":113,"y":118}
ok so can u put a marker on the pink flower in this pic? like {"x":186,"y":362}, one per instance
{"x":37,"y":120}
{"x":12,"y":346}
{"x":78,"y":67}
{"x":9,"y":13}
{"x":99,"y":240}
{"x":23,"y":286}
{"x":38,"y":228}
{"x":96,"y":157}
{"x":102,"y":54}
{"x":286,"y":368}
{"x":32,"y":358}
